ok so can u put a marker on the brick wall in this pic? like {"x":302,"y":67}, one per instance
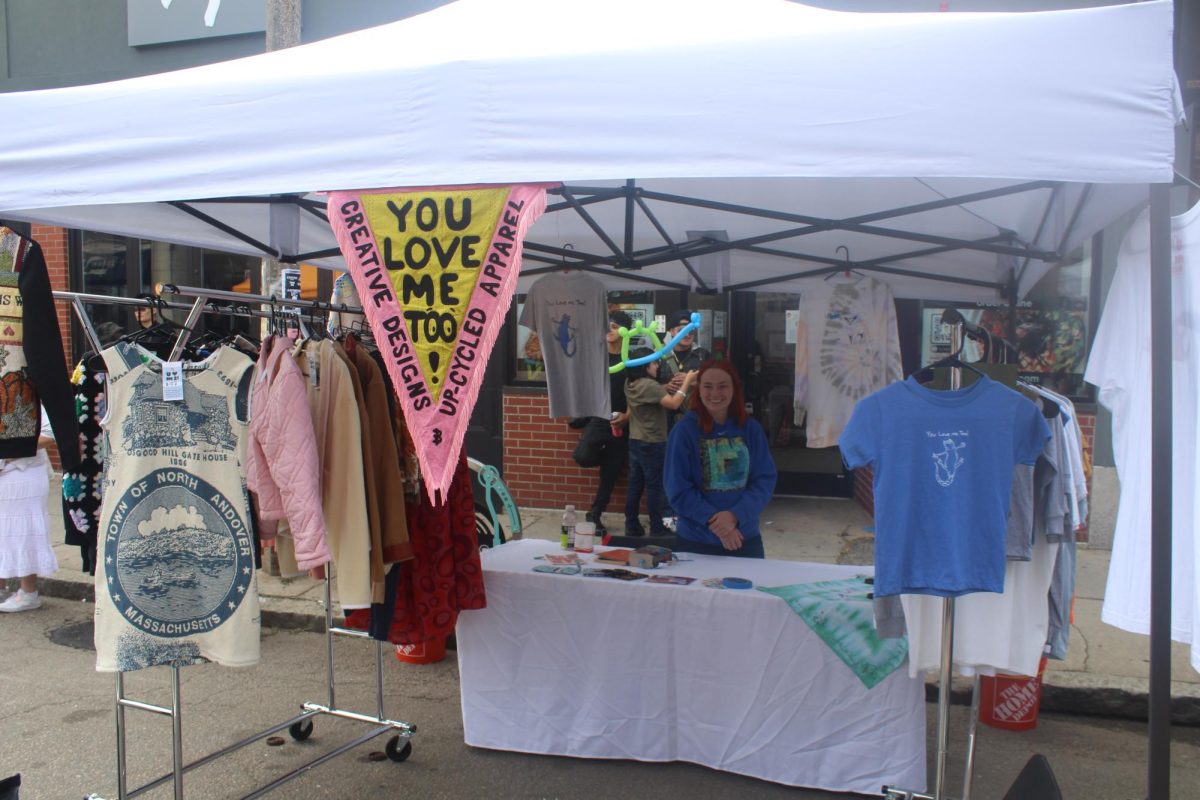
{"x":864,"y":490}
{"x":1087,"y":426}
{"x":55,"y":248}
{"x":538,"y":468}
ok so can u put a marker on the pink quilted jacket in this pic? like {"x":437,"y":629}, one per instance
{"x":281,"y":462}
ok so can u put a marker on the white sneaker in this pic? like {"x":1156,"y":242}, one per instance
{"x":669,"y":523}
{"x":21,"y":601}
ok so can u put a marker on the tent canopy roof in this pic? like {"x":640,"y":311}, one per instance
{"x":825,"y":119}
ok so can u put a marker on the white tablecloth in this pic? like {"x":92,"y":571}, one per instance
{"x":732,"y":679}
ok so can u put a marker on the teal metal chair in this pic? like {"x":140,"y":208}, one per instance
{"x":487,"y":521}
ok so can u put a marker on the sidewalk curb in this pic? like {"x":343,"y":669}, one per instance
{"x":1092,"y":701}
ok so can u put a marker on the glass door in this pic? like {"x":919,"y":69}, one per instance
{"x":764,"y":350}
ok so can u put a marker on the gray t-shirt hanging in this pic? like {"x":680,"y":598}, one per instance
{"x":569,"y":313}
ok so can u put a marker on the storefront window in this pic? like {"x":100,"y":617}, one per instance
{"x":128,"y":267}
{"x":1049,"y":343}
{"x":531,"y":367}
{"x":105,"y":269}
{"x":772,"y":370}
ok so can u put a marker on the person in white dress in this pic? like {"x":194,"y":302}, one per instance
{"x":25,"y":550}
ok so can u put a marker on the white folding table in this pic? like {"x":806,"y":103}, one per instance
{"x":731,"y":679}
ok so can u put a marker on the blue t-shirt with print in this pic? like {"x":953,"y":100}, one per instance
{"x":943,"y":464}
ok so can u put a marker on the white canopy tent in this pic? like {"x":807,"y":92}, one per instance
{"x":819,"y":124}
{"x":680,"y":127}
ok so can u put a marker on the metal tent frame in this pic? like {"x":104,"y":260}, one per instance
{"x":624,"y":261}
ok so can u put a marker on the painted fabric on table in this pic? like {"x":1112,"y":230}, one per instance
{"x":842,"y":614}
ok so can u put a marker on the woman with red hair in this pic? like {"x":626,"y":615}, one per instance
{"x":719,"y":471}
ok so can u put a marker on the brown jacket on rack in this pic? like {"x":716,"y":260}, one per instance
{"x":385,"y":459}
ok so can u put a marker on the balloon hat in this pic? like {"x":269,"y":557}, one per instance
{"x":639,"y":329}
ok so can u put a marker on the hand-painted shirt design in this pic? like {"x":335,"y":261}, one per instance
{"x":947,"y":462}
{"x":726,"y":463}
{"x":569,"y":314}
{"x":565,"y":334}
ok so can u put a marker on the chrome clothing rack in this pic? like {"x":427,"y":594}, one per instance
{"x":300,"y":727}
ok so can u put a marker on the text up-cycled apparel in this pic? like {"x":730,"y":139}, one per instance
{"x":175,"y":582}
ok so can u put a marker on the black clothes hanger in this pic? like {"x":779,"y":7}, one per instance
{"x":925,"y":374}
{"x":1049,"y":408}
{"x":273,"y":322}
{"x":360,"y":330}
{"x":316,"y":327}
{"x":950,"y":316}
{"x":94,"y":362}
{"x":847,"y":270}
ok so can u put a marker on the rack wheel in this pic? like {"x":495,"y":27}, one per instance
{"x":301,"y":730}
{"x":397,"y":753}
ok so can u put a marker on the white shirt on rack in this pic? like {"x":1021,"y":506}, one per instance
{"x":1120,"y":367}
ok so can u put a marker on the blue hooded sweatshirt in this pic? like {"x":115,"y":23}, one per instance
{"x":729,"y":469}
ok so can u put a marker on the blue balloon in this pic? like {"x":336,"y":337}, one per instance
{"x":693,"y":325}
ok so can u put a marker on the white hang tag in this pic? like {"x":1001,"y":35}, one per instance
{"x":314,"y":370}
{"x":172,"y":387}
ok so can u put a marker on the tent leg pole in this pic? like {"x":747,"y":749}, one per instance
{"x":972,"y":738}
{"x":1159,"y":778}
{"x":943,"y":732}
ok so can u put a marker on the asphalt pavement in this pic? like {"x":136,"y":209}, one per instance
{"x":57,"y":714}
{"x":57,"y":729}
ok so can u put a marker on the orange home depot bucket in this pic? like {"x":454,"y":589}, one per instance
{"x":422,"y":653}
{"x":1011,"y":702}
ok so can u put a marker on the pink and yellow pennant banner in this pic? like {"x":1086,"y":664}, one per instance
{"x":435,"y":269}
